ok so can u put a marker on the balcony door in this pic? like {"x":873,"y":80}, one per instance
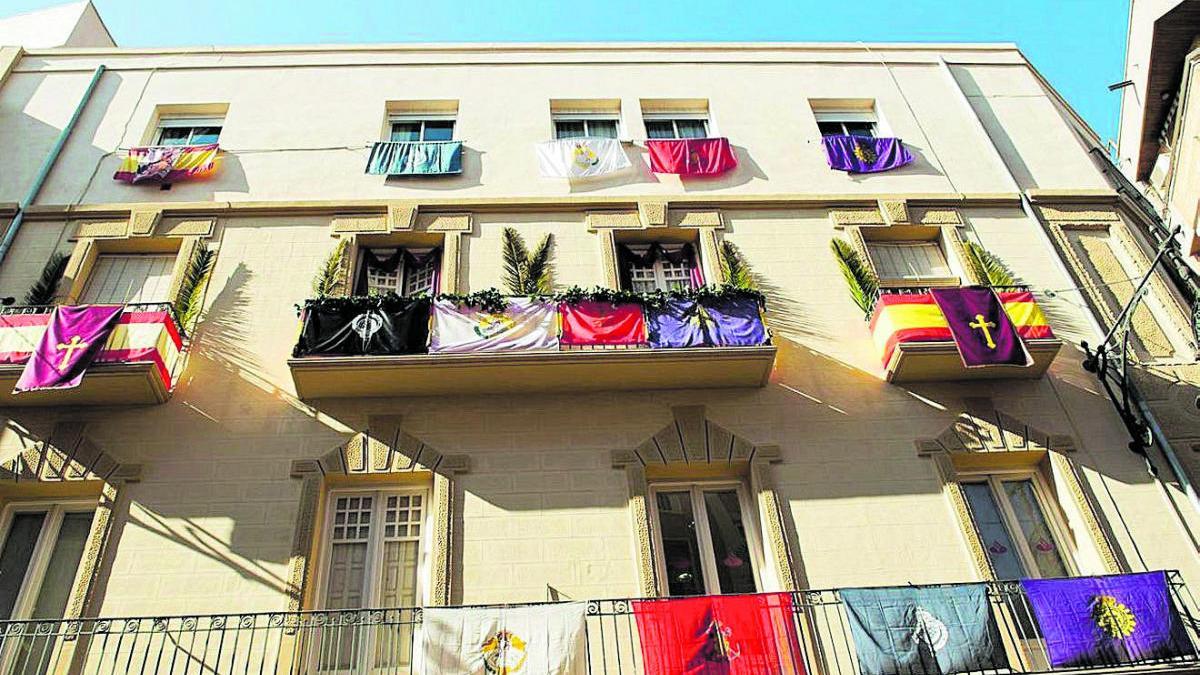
{"x":705,"y":539}
{"x":134,"y":278}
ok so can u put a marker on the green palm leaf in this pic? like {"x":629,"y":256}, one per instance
{"x":525,"y":273}
{"x":191,"y":290}
{"x":538,"y":270}
{"x":860,"y":280}
{"x":330,"y":273}
{"x":990,"y":267}
{"x":42,"y":291}
{"x":734,"y":267}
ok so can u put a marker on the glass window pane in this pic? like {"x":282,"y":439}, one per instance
{"x":439,"y":130}
{"x":174,"y":136}
{"x":15,"y":557}
{"x":909,"y":261}
{"x":602,"y":128}
{"x":569,"y":129}
{"x":1046,"y":554}
{"x":205,"y":135}
{"x":681,"y":552}
{"x":660,"y":129}
{"x":831,"y":128}
{"x":406,"y":131}
{"x":64,"y":562}
{"x":735,"y":571}
{"x":995,"y":536}
{"x":865,"y":129}
{"x":692,"y":128}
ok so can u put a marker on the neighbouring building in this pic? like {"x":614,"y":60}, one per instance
{"x":283,"y":427}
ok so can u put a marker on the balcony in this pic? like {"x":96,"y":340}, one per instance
{"x":914,"y":342}
{"x":380,"y":640}
{"x":135,"y":366}
{"x":417,"y":348}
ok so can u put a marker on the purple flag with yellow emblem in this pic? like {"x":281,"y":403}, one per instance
{"x":1093,"y":621}
{"x":728,"y":322}
{"x":72,"y":339}
{"x":982,"y":330}
{"x":862,"y":154}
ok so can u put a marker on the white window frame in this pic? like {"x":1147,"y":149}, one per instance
{"x":423,"y":119}
{"x":405,"y":273}
{"x":192,"y":123}
{"x":879,"y":129}
{"x":892,"y":282}
{"x":35,"y":574}
{"x":660,"y":275}
{"x":92,"y":278}
{"x":708,"y":563}
{"x":374,"y":548}
{"x":555,"y":118}
{"x":675,"y":118}
{"x":1055,"y":519}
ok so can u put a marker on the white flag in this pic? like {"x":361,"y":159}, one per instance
{"x":581,"y":157}
{"x":526,"y":325}
{"x":535,"y":640}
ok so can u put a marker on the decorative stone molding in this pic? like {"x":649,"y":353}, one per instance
{"x":692,"y":440}
{"x":444,"y":222}
{"x":894,"y":211}
{"x":710,"y":256}
{"x":401,"y":216}
{"x":608,"y":257}
{"x":852,"y":217}
{"x":1076,"y":214}
{"x":102,"y":229}
{"x":143,"y":221}
{"x":359,"y":225}
{"x":937,"y":217}
{"x":653,"y":213}
{"x":383,"y":448}
{"x":189,"y":248}
{"x":694,"y":218}
{"x":192,"y":227}
{"x":1069,"y":472}
{"x":619,"y":220}
{"x":985,"y":429}
{"x":953,"y":241}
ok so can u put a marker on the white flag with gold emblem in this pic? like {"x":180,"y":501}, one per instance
{"x":534,"y":640}
{"x":581,"y":157}
{"x":525,"y":325}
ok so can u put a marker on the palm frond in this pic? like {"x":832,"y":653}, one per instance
{"x":42,"y":291}
{"x":516,"y":259}
{"x":989,"y":266}
{"x":734,"y":267}
{"x":191,"y":290}
{"x":860,"y":280}
{"x":538,"y":269}
{"x":330,"y":273}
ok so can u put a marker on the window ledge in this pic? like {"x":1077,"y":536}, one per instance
{"x":940,"y":361}
{"x":127,"y":383}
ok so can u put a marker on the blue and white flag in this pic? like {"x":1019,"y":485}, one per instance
{"x":933,"y":629}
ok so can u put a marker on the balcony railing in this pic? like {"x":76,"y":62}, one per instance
{"x":914,"y":342}
{"x":136,"y":365}
{"x":385,"y":640}
{"x":352,"y":347}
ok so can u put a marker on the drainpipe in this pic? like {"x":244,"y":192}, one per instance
{"x":48,"y":164}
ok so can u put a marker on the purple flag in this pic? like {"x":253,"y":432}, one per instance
{"x":72,"y":339}
{"x":730,"y":322}
{"x":982,"y":331}
{"x":1107,"y":620}
{"x":861,"y":154}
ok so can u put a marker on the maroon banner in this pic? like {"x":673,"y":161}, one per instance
{"x":719,"y":635}
{"x":982,"y":330}
{"x":691,"y":156}
{"x":72,"y":339}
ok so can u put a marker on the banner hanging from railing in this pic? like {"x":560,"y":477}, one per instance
{"x":72,"y":339}
{"x":726,"y":322}
{"x":167,"y":164}
{"x":526,"y":325}
{"x":535,"y":640}
{"x":983,"y":332}
{"x":356,"y":328}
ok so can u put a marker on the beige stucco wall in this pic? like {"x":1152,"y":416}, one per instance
{"x":209,"y":527}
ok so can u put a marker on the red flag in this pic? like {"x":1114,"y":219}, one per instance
{"x":691,"y":156}
{"x":602,"y":323}
{"x":719,"y":635}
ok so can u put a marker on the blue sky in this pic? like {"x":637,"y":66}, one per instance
{"x":1078,"y":45}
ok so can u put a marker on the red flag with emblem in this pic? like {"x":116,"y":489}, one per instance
{"x":719,"y":635}
{"x":601,"y":323}
{"x":691,"y":156}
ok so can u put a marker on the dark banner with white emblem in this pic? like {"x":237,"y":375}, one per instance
{"x":364,"y":326}
{"x":923,"y":629}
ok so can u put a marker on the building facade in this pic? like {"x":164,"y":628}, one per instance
{"x":220,"y":461}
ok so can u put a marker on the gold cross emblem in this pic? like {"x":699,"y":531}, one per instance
{"x":984,"y":326}
{"x":71,"y":347}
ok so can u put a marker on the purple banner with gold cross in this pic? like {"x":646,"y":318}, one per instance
{"x":72,"y":339}
{"x":982,"y":330}
{"x":1106,"y":621}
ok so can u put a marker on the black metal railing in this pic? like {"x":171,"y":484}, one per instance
{"x":385,"y":640}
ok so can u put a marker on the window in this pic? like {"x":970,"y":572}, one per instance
{"x":1020,"y":535}
{"x":433,"y":128}
{"x":372,"y":558}
{"x":404,"y":272}
{"x":586,"y":126}
{"x":676,"y":126}
{"x":188,"y":130}
{"x":659,"y":267}
{"x":911,"y":262}
{"x":705,"y":542}
{"x":43,"y":547}
{"x":133,"y":278}
{"x":847,"y":123}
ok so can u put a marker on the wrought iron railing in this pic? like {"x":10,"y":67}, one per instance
{"x":385,"y":640}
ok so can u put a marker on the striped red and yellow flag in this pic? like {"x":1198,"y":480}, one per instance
{"x":187,"y":162}
{"x":916,"y":318}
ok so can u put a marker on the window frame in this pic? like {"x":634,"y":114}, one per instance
{"x":187,"y":122}
{"x":555,"y":118}
{"x":422,"y":119}
{"x":1051,"y":512}
{"x":661,"y":283}
{"x":35,"y":573}
{"x":708,"y":562}
{"x":674,"y":119}
{"x":374,"y":542}
{"x":90,"y":278}
{"x":841,"y":117}
{"x":901,"y":282}
{"x":404,"y":270}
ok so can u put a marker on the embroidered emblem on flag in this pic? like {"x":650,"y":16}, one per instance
{"x":535,"y":640}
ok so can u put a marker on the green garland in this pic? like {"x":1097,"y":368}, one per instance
{"x":388,"y":302}
{"x":489,"y":300}
{"x":657,"y":299}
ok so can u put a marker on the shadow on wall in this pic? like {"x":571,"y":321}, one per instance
{"x":747,"y":170}
{"x":1003,"y":142}
{"x":637,"y":174}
